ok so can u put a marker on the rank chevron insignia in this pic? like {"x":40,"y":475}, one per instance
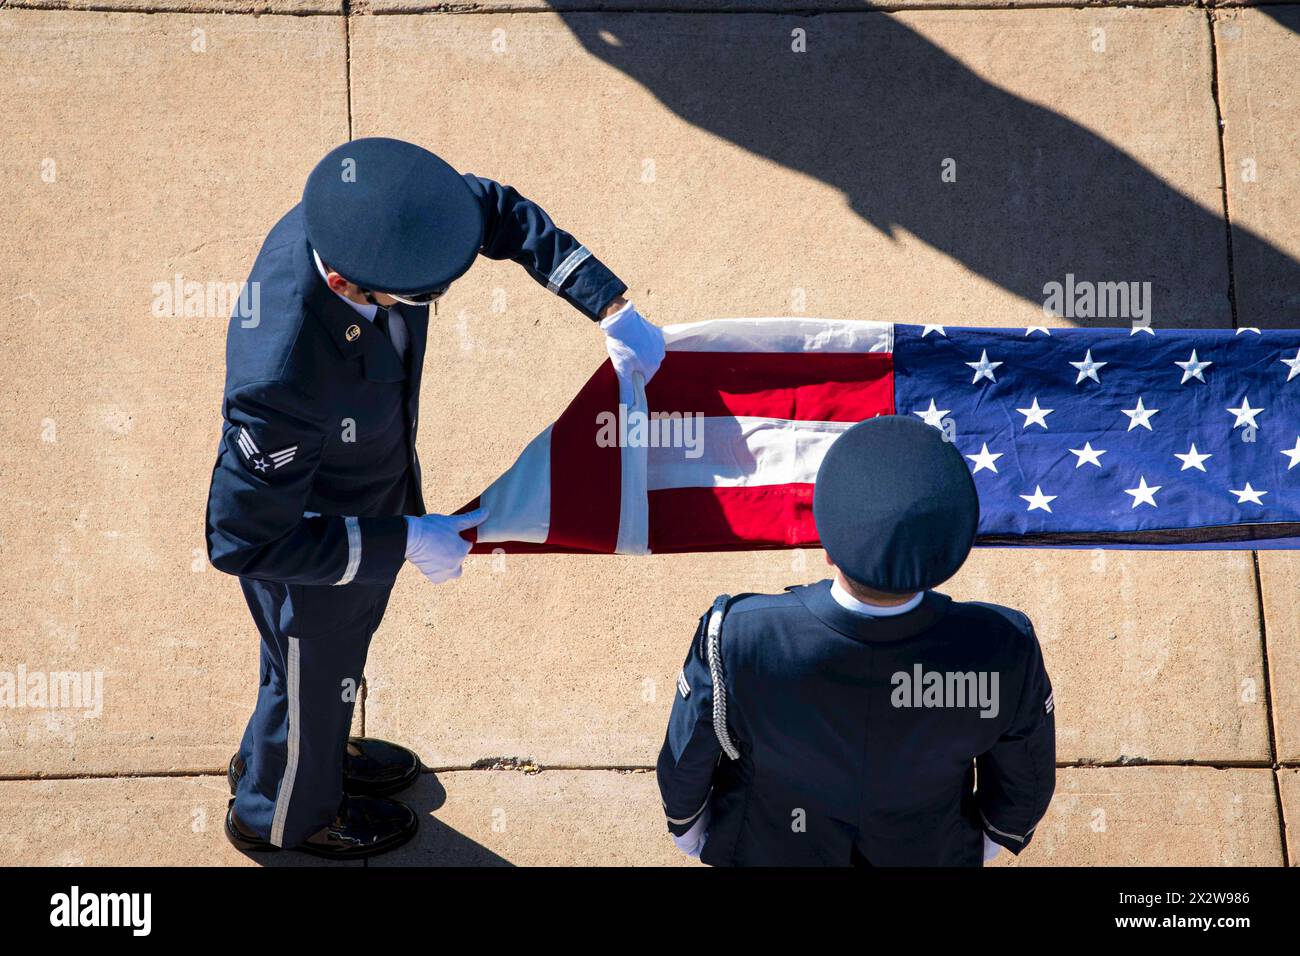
{"x":263,"y":462}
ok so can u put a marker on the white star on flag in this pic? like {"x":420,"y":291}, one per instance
{"x":985,"y":459}
{"x":933,"y":416}
{"x":1293,"y":364}
{"x":1248,"y":494}
{"x":1245,"y":414}
{"x":1192,"y":459}
{"x":1249,"y":328}
{"x":1038,"y":328}
{"x":1039,"y":500}
{"x":933,"y":328}
{"x":1143,"y":494}
{"x":1088,"y":454}
{"x":1139,"y":416}
{"x":1293,"y":454}
{"x":1088,"y":368}
{"x":983,"y":368}
{"x":1141,"y":328}
{"x":1035,"y":415}
{"x":1192,"y":368}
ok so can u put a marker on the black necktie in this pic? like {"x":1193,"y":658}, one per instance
{"x":381,"y":321}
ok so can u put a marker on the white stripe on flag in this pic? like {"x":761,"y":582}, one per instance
{"x":519,"y":502}
{"x":790,"y":334}
{"x":633,"y":499}
{"x":745,"y":452}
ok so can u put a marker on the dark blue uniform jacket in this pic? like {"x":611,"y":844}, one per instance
{"x":316,"y":464}
{"x":860,"y":738}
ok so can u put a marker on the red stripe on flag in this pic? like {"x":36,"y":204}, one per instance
{"x":523,"y":547}
{"x":506,"y":547}
{"x":472,"y":534}
{"x":732,"y":519}
{"x":807,"y":386}
{"x":585,"y":478}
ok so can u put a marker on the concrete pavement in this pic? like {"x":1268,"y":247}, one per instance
{"x":720,"y":173}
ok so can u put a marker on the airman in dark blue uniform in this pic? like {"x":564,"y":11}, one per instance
{"x":316,"y":502}
{"x":865,"y":720}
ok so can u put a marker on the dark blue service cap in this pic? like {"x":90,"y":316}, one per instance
{"x":391,"y":216}
{"x":895,"y":505}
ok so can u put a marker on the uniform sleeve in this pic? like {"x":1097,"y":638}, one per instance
{"x":1017,"y":776}
{"x":519,"y":229}
{"x":691,"y":749}
{"x":256,"y":526}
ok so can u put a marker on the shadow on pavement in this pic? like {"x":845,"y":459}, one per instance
{"x":1287,"y":16}
{"x":873,"y":108}
{"x":436,"y":844}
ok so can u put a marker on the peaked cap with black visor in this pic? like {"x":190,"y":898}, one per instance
{"x":392,"y":217}
{"x":895,"y":505}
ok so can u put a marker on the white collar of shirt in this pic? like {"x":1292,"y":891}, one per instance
{"x":366,"y":311}
{"x":847,"y":601}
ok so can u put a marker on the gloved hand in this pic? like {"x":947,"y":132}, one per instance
{"x":434,"y":544}
{"x":692,"y":841}
{"x":991,"y":849}
{"x":633,"y":344}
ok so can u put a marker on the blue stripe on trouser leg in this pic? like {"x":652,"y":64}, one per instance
{"x":294,"y":744}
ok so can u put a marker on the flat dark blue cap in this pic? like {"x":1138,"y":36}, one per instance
{"x":895,"y":505}
{"x":391,"y":216}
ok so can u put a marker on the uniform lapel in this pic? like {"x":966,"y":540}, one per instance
{"x":417,"y":328}
{"x":352,"y":334}
{"x":818,"y":600}
{"x":417,"y":333}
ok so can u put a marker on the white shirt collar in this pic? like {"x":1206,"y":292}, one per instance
{"x":847,"y":601}
{"x":366,"y":311}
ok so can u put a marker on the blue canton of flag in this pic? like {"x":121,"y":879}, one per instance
{"x":1116,"y":437}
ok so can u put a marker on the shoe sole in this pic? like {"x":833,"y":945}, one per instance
{"x":353,"y":790}
{"x":246,"y":844}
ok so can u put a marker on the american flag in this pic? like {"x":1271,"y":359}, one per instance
{"x":1131,"y":438}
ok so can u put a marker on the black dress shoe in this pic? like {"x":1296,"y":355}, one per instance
{"x":365,"y":826}
{"x":371,"y":767}
{"x":376,"y":768}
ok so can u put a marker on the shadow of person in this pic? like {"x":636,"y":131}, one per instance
{"x":436,"y":844}
{"x":1287,"y":16}
{"x":874,"y":109}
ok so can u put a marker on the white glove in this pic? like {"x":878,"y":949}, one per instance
{"x":991,"y":849}
{"x":633,"y":344}
{"x":434,"y":544}
{"x":692,"y":841}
